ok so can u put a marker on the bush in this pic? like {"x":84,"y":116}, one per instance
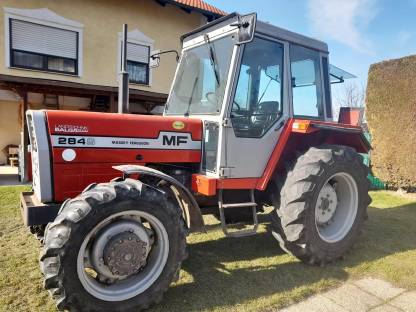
{"x":391,"y":116}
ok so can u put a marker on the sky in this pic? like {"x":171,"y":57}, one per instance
{"x":358,"y":32}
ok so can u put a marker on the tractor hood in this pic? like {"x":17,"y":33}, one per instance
{"x":71,"y":150}
{"x":98,"y":137}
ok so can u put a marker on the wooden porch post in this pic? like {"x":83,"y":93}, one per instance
{"x":113,"y":103}
{"x":25,"y":143}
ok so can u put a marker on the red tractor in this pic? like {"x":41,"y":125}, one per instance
{"x":248,"y":124}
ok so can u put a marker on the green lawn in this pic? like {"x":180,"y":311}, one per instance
{"x":225,"y":274}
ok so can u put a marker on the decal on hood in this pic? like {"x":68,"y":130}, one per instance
{"x":71,"y":129}
{"x":165,"y":140}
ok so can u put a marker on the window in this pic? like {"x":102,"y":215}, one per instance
{"x":40,"y":47}
{"x":306,"y":82}
{"x":138,"y":63}
{"x":258,"y":97}
{"x":201,"y":79}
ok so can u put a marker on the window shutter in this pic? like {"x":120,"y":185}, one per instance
{"x":42,"y":39}
{"x":137,"y":53}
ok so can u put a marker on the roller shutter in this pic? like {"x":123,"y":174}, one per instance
{"x":137,"y":53}
{"x":36,"y":38}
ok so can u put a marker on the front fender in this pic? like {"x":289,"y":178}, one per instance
{"x":193,"y":215}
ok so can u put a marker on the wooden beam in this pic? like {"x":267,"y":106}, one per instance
{"x":71,"y":88}
{"x":113,"y":104}
{"x":25,"y":155}
{"x":63,"y":88}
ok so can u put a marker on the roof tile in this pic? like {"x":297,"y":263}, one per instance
{"x":202,"y":5}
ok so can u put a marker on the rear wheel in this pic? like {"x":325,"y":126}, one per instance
{"x":116,"y":247}
{"x":323,"y":204}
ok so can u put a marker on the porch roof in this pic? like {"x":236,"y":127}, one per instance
{"x":48,"y":86}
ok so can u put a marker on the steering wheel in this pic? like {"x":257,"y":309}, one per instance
{"x":238,"y":106}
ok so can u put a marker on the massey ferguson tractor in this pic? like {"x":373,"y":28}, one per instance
{"x":247,"y":124}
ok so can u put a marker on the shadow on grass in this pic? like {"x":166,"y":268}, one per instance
{"x":228,"y":271}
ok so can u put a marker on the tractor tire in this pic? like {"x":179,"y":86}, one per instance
{"x":115,"y":247}
{"x":323,"y":204}
{"x":38,"y":231}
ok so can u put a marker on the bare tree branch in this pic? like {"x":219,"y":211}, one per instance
{"x":350,"y":95}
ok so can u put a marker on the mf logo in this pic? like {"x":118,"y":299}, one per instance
{"x":174,"y":140}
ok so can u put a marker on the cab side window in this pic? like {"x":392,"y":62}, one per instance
{"x":257,"y":102}
{"x":306,"y":82}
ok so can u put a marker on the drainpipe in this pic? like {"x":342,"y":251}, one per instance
{"x":123,"y":87}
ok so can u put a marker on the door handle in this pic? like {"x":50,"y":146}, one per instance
{"x":281,"y":124}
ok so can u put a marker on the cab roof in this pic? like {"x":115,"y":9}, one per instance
{"x":262,"y":28}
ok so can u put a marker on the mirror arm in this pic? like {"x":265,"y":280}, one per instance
{"x":157,"y":55}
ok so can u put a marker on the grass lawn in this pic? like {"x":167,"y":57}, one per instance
{"x":229,"y":274}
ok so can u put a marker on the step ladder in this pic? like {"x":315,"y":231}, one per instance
{"x":226,"y":227}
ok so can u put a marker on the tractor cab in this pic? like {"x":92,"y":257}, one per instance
{"x":245,"y":79}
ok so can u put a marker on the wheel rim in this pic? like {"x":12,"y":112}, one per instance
{"x":336,"y":207}
{"x":123,"y":255}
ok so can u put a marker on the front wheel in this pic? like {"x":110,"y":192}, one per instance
{"x":116,"y":247}
{"x":323,"y":204}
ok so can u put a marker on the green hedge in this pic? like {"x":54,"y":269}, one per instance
{"x":391,"y":116}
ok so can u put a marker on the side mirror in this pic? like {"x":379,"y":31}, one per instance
{"x":154,"y":59}
{"x":246,"y":26}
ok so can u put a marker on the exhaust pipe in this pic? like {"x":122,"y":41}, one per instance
{"x":123,"y":81}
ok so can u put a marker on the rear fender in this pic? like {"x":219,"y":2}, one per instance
{"x":298,"y":135}
{"x":339,"y":135}
{"x":192,"y":212}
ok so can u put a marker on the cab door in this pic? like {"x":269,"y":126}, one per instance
{"x":257,"y":109}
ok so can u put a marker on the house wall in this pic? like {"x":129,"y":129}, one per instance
{"x":9,"y":126}
{"x":102,"y":20}
{"x":10,"y":119}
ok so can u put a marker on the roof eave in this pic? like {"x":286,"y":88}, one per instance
{"x":208,"y":14}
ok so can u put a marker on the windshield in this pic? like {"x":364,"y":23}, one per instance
{"x":201,"y":79}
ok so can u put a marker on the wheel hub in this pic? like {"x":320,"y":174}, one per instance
{"x":99,"y":277}
{"x":326,"y":204}
{"x":120,"y":249}
{"x":125,"y":254}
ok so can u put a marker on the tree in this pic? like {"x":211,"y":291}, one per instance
{"x":350,"y":94}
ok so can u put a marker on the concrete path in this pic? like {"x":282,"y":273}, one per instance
{"x":367,"y":294}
